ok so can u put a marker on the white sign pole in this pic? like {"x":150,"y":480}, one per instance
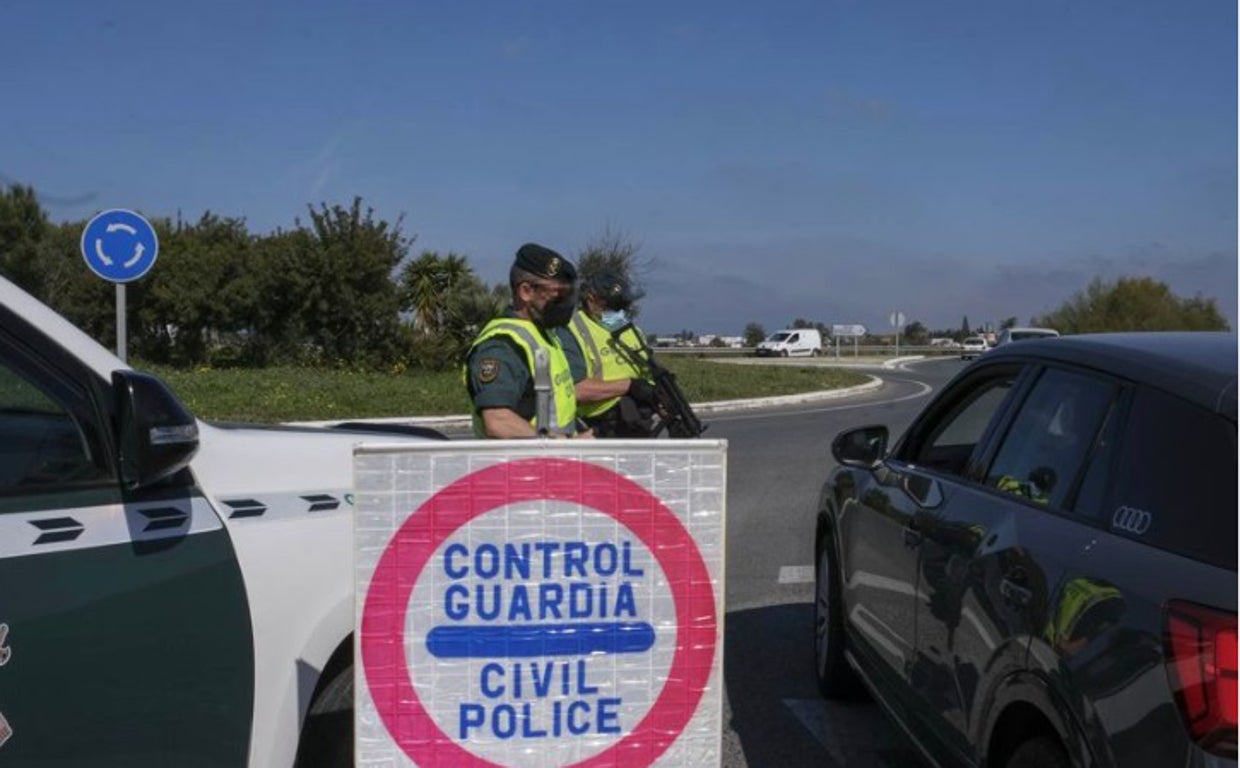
{"x":121,"y":352}
{"x":897,"y":320}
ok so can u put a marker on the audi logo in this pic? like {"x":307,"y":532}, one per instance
{"x":1132,"y":520}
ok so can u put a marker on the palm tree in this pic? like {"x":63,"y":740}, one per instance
{"x":419,"y":291}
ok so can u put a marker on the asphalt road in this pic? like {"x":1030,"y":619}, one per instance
{"x":777,"y":461}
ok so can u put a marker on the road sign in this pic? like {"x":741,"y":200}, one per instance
{"x":896,"y":319}
{"x":848,"y":330}
{"x":527,"y":601}
{"x":119,"y":245}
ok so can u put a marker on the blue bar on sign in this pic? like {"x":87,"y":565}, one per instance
{"x":523,"y":641}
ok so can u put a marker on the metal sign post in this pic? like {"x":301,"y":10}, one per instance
{"x":120,"y":246}
{"x":897,"y":320}
{"x":121,"y":350}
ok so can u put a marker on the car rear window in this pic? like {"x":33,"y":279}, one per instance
{"x":1019,"y":335}
{"x":1176,"y":479}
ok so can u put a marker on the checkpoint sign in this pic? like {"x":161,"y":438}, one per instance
{"x":539,"y":605}
{"x":119,"y":245}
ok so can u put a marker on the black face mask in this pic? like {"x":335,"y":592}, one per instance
{"x":554,"y":314}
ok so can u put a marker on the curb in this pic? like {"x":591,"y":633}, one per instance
{"x":723,"y":406}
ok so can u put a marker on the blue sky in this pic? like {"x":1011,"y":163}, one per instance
{"x":828,"y":159}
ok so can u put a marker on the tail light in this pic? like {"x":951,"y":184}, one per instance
{"x":1201,"y":649}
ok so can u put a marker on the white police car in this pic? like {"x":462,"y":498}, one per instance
{"x":171,"y":592}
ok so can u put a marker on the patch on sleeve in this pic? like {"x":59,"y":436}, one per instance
{"x":488,"y":370}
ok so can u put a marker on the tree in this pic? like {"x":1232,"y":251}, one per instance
{"x":1133,"y":304}
{"x":200,"y":296}
{"x":1010,"y":322}
{"x":23,"y":226}
{"x":429,"y":283}
{"x":964,"y":326}
{"x":916,"y":334}
{"x":465,"y":311}
{"x":754,"y":333}
{"x":70,"y":288}
{"x":801,"y":322}
{"x":351,"y":307}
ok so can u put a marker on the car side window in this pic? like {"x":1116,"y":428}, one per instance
{"x":42,"y":444}
{"x":951,"y":440}
{"x":1175,"y":479}
{"x":1048,"y":441}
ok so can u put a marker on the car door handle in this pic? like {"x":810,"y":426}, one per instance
{"x":1014,"y":593}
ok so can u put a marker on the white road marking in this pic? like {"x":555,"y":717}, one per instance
{"x":796,"y":574}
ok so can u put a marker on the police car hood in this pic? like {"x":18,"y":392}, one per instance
{"x":235,"y":459}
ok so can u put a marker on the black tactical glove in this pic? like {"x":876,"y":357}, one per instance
{"x":643,"y":392}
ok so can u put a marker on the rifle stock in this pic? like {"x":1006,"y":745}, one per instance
{"x":675,"y":414}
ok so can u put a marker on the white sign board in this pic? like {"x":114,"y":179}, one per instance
{"x":848,"y":330}
{"x":539,"y":603}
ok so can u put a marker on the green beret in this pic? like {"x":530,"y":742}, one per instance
{"x":544,"y":262}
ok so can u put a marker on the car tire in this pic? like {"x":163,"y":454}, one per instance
{"x":783,"y":353}
{"x":1039,"y":752}
{"x":836,"y":680}
{"x":327,"y":738}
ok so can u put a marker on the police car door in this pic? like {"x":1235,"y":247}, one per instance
{"x":124,"y":631}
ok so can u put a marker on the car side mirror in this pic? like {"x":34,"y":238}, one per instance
{"x":863,"y":448}
{"x":157,"y":436}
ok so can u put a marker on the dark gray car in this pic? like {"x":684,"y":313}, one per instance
{"x":1042,"y":571}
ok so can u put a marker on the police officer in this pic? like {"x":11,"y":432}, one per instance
{"x":615,"y":395}
{"x":518,"y":378}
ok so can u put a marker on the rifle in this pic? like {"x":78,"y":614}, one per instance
{"x":672,"y":407}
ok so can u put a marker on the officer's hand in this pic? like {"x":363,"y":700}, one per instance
{"x":643,"y":392}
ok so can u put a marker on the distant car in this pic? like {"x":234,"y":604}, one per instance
{"x":972,"y":347}
{"x":1042,"y":571}
{"x":1008,"y":335}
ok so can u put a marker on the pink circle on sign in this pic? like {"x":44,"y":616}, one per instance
{"x":411,"y":549}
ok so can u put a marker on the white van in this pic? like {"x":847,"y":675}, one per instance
{"x":806,"y":342}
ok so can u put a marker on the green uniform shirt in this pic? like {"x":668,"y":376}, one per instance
{"x":572,"y":351}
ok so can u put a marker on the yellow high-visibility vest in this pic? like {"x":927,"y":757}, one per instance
{"x":551,"y":363}
{"x":603,"y":359}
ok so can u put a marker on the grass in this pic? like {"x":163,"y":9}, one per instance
{"x":298,"y":394}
